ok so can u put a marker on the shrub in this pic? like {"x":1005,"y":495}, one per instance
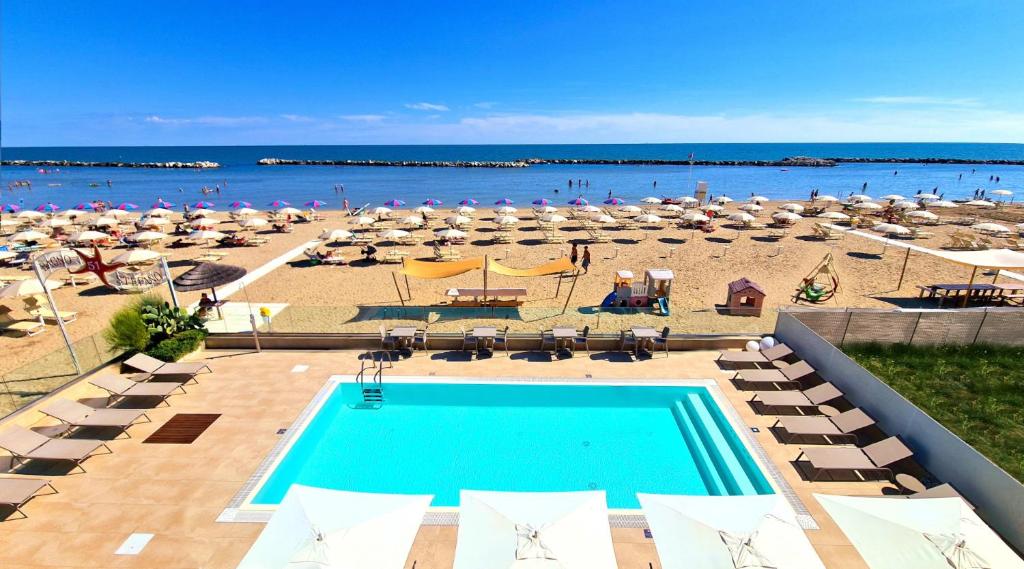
{"x":127,"y":331}
{"x":176,"y":347}
{"x":165,"y":321}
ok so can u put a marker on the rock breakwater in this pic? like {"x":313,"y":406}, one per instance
{"x":202,"y":164}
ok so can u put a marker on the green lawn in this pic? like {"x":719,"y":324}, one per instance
{"x":975,"y":391}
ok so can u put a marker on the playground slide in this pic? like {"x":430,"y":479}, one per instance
{"x":663,"y":305}
{"x":608,"y":300}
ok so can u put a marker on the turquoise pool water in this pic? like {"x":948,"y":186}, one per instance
{"x":439,"y":438}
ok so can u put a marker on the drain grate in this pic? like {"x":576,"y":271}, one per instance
{"x":182,"y":429}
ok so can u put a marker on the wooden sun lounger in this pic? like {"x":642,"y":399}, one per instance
{"x":876,"y":457}
{"x":26,"y":445}
{"x":834,"y":430}
{"x":799,"y":400}
{"x":25,"y":327}
{"x":122,"y":388}
{"x":77,"y":415}
{"x":15,"y":492}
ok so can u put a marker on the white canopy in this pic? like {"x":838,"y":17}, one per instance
{"x":987,"y":259}
{"x":725,"y":532}
{"x":534,"y":530}
{"x":933,"y":533}
{"x":317,"y":528}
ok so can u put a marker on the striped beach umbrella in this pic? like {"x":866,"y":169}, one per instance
{"x":11,"y":208}
{"x":163,"y":204}
{"x":541,"y":201}
{"x":125,"y":206}
{"x":84,"y":206}
{"x":278,"y":204}
{"x":469,"y":201}
{"x":48,"y":206}
{"x":614,"y":201}
{"x":579,"y":202}
{"x":504,"y":201}
{"x":238,"y":204}
{"x":203,"y":205}
{"x":433,"y":202}
{"x":394,"y":203}
{"x":315,"y":204}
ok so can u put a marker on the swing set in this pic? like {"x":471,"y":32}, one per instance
{"x":820,"y":284}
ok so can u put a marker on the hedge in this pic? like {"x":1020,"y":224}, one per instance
{"x":178,"y":346}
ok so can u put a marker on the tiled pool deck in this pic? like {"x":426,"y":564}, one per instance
{"x":178,"y":492}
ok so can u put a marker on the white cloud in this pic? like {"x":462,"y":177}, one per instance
{"x":297,"y":118}
{"x":362,"y":118}
{"x":426,"y":106}
{"x":485,"y":104}
{"x":206,"y":121}
{"x":936,"y":101}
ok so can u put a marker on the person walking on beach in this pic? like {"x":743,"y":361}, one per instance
{"x":586,"y":259}
{"x":344,"y":205}
{"x":864,"y":188}
{"x":574,"y":255}
{"x":570,"y":183}
{"x":655,"y":184}
{"x":609,"y":194}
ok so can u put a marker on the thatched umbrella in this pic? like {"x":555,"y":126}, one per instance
{"x":208,"y":276}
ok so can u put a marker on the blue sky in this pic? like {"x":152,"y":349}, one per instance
{"x":218,"y":72}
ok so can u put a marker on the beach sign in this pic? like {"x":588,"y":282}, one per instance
{"x":114,"y":275}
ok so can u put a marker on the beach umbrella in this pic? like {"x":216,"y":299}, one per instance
{"x":671,"y":207}
{"x":147,"y":236}
{"x":614,"y":201}
{"x":28,"y":235}
{"x":313,"y":204}
{"x":85,"y":206}
{"x":413,"y":220}
{"x":202,"y":212}
{"x":153,"y":222}
{"x":688,"y":201}
{"x":905,"y":204}
{"x":936,"y":533}
{"x":468,"y":201}
{"x":1001,"y":192}
{"x":990,"y":228}
{"x":363,"y":220}
{"x":125,"y":206}
{"x":204,"y":222}
{"x":891,"y":229}
{"x":278,"y":204}
{"x":552,"y":218}
{"x":833,"y":215}
{"x":547,"y":209}
{"x":980,"y":203}
{"x":757,"y":199}
{"x":27,"y":287}
{"x":541,"y":201}
{"x":381,"y":211}
{"x":926,"y":197}
{"x":793,"y":207}
{"x":105,"y":221}
{"x":827,"y":199}
{"x":504,"y":201}
{"x":201,"y":234}
{"x":11,"y":208}
{"x":786,"y":217}
{"x":506,"y":220}
{"x":244,"y":211}
{"x":741,"y":217}
{"x":892,"y":197}
{"x":56,"y":222}
{"x":867,"y":206}
{"x":424,"y":209}
{"x":319,"y":528}
{"x":651,"y":200}
{"x":1019,"y":227}
{"x":944,"y":204}
{"x":48,"y":207}
{"x":137,"y":257}
{"x":336,"y":235}
{"x":116,"y":213}
{"x":288,"y":211}
{"x":604,"y":219}
{"x":29,"y":214}
{"x":202,"y":204}
{"x":159,"y":212}
{"x":505,"y":210}
{"x":392,"y":234}
{"x":648,"y":218}
{"x":722,"y":200}
{"x":432,"y":202}
{"x":465,"y":210}
{"x":239,"y":204}
{"x":579,"y":202}
{"x":393,"y":202}
{"x":68,"y":213}
{"x":9,"y":222}
{"x":457,"y":220}
{"x":919,"y":214}
{"x":522,"y":530}
{"x":695,"y":217}
{"x":630,"y":209}
{"x":590,"y":209}
{"x":163,"y":204}
{"x":253,"y":223}
{"x":450,"y":234}
{"x":751,"y":207}
{"x":714,"y":208}
{"x":858,"y":198}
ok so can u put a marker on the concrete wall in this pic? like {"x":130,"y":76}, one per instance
{"x":998,"y":496}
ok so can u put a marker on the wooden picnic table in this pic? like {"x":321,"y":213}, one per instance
{"x":980,"y":291}
{"x":484,"y":297}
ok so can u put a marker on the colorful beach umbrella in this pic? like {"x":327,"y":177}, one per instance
{"x":433,"y":202}
{"x":48,"y":206}
{"x":541,"y":201}
{"x":125,"y":206}
{"x":11,"y":208}
{"x":469,"y":201}
{"x":315,"y":204}
{"x":394,"y":203}
{"x":579,"y":202}
{"x":277,"y":204}
{"x":504,"y":201}
{"x":84,"y":206}
{"x":163,"y":204}
{"x":203,"y":205}
{"x":614,"y":201}
{"x":238,"y":204}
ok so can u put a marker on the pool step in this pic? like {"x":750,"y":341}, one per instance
{"x":373,"y":398}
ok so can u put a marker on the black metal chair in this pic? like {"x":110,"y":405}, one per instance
{"x":662,"y":341}
{"x":583,"y":339}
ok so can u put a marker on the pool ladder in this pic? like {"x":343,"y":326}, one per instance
{"x":372,"y":390}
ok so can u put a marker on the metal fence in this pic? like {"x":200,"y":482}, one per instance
{"x":840,"y":326}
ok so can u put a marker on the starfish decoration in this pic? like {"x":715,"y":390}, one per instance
{"x":94,"y":264}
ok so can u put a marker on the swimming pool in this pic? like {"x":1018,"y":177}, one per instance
{"x":439,"y":438}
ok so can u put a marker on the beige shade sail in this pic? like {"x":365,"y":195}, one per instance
{"x":432,"y":270}
{"x":988,"y":259}
{"x":561,"y":265}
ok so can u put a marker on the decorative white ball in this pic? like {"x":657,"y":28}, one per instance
{"x":767,"y":342}
{"x":753,"y":346}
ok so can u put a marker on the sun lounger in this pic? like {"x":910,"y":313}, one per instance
{"x":159,"y":369}
{"x":15,"y":492}
{"x":799,"y":400}
{"x":940,"y":491}
{"x":777,"y":352}
{"x":39,"y":307}
{"x":876,"y":457}
{"x":790,"y":375}
{"x":835,"y":430}
{"x":25,"y":327}
{"x":25,"y":445}
{"x":122,"y":388}
{"x":77,"y":415}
